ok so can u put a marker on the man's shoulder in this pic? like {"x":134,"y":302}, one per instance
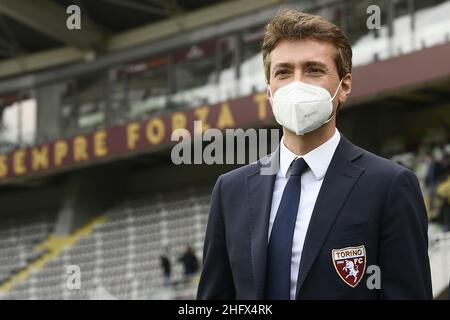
{"x":239,"y":174}
{"x":379,"y":165}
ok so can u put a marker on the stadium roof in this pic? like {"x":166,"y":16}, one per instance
{"x":33,"y":34}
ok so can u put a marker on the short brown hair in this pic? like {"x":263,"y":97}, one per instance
{"x":294,"y":25}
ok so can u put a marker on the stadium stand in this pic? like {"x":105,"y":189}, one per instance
{"x":17,"y":240}
{"x":118,"y":257}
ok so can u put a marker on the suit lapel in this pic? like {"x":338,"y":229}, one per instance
{"x":338,"y":182}
{"x":259,"y":189}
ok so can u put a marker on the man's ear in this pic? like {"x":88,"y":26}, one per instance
{"x":346,"y":88}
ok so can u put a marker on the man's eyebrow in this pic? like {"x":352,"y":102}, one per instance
{"x":314,"y":63}
{"x":283,"y":65}
{"x":307,"y":64}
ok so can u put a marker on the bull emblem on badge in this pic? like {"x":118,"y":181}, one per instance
{"x":350,"y":264}
{"x":351,"y":269}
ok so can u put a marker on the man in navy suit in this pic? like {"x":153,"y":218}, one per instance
{"x":330,"y":220}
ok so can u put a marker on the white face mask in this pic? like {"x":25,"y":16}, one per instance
{"x":301,"y":107}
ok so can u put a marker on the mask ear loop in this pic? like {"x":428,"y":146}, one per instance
{"x":335,"y":93}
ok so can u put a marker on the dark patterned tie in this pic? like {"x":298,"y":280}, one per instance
{"x":279,"y":252}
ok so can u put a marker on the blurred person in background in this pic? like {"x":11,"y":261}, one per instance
{"x":190,"y":263}
{"x":166,"y":267}
{"x":443,"y":192}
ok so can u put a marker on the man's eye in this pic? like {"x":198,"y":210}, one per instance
{"x":315,"y":70}
{"x":281,"y":72}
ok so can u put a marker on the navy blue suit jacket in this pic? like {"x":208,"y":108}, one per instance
{"x":364,"y":200}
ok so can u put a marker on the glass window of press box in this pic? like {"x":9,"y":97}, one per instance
{"x":227,"y":69}
{"x":92,"y":100}
{"x":84,"y":103}
{"x":139,"y":88}
{"x":17,"y":120}
{"x":195,"y":75}
{"x":69,"y":108}
{"x":251,"y":70}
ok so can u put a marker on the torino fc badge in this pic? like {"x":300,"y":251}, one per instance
{"x":350,"y":264}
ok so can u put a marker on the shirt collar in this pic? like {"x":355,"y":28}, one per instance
{"x":317,"y":159}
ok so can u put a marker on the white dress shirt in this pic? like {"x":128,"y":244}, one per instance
{"x":318,"y":161}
